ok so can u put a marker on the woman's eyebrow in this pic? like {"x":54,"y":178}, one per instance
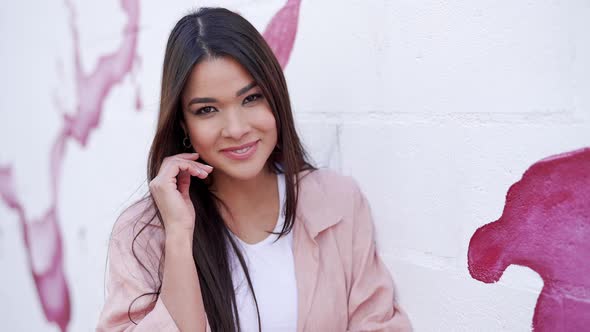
{"x":205,"y":100}
{"x":245,"y":89}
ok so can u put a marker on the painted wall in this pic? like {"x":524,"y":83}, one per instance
{"x":445,"y":112}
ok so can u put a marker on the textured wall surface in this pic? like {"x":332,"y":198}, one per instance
{"x":445,"y":113}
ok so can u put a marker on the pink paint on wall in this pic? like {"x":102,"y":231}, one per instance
{"x":43,"y":246}
{"x":42,"y":236}
{"x":545,"y":226}
{"x":281,"y":31}
{"x":92,"y":88}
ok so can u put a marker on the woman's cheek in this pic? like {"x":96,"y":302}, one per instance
{"x":267,"y":119}
{"x":203,"y":138}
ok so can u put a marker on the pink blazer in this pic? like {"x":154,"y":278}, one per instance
{"x":342,"y":283}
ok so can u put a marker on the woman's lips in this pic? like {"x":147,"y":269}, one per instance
{"x":242,"y":152}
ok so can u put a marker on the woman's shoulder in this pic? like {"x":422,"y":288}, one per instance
{"x":328,"y":194}
{"x":329,"y":182}
{"x":138,"y":218}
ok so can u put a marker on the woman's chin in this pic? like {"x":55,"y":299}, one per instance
{"x":242,"y":172}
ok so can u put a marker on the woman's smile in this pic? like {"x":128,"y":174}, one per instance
{"x":241,"y":152}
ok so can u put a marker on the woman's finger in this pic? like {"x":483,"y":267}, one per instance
{"x":202,"y":166}
{"x":189,"y":156}
{"x":173,"y":167}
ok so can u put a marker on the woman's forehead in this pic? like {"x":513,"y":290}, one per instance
{"x":217,"y":77}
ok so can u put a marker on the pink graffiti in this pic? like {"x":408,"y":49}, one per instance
{"x":281,"y":31}
{"x":42,"y":236}
{"x":545,"y":226}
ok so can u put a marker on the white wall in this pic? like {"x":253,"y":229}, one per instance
{"x":436,"y":108}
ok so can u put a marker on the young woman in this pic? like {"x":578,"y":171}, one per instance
{"x":239,"y":231}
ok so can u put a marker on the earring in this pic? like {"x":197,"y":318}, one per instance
{"x":186,"y":142}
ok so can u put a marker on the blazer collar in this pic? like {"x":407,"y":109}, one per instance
{"x":313,"y":207}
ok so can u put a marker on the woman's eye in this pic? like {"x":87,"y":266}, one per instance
{"x":204,"y":110}
{"x":251,"y":98}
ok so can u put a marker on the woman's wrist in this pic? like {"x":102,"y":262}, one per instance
{"x":178,"y":238}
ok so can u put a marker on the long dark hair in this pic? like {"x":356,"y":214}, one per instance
{"x":209,"y":33}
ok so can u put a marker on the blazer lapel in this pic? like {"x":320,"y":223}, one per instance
{"x":315,"y":213}
{"x":306,"y":256}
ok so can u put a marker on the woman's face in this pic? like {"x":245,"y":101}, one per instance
{"x":228,"y":120}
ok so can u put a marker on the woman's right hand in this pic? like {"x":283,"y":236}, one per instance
{"x":170,"y":190}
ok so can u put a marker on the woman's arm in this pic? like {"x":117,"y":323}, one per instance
{"x":130,"y":275}
{"x":181,"y":291}
{"x":371,"y":302}
{"x":134,"y":272}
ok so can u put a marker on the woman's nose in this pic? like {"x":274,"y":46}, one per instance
{"x":236,"y":125}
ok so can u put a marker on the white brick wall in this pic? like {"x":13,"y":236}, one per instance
{"x":436,"y":108}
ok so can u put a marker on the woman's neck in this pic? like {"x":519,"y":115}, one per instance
{"x":245,"y":197}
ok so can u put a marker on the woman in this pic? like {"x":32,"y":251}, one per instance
{"x":239,"y":231}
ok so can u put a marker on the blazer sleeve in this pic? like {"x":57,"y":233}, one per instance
{"x":126,"y":280}
{"x":371,"y":301}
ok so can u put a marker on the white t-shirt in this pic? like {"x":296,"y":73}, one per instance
{"x":272,"y":272}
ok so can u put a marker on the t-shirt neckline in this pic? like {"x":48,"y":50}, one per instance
{"x":280,"y":220}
